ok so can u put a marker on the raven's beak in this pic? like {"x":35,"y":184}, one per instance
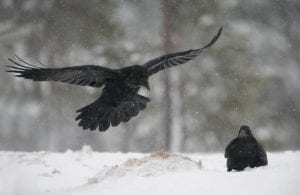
{"x":146,"y":84}
{"x":243,"y":133}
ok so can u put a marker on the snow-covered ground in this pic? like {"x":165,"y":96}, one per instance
{"x":90,"y":172}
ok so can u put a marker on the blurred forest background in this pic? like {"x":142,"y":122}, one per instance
{"x":250,"y":76}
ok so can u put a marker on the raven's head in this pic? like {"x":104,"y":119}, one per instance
{"x":136,"y":76}
{"x":245,"y":131}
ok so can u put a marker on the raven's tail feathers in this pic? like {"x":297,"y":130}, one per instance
{"x":101,"y":114}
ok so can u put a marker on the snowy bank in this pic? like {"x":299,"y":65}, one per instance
{"x":89,"y":172}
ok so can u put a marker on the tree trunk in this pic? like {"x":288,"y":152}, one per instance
{"x":173,"y":122}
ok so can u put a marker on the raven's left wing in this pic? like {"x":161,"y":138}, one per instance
{"x":231,"y":146}
{"x":85,"y":75}
{"x":177,"y":58}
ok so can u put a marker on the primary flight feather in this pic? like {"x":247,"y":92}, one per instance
{"x":120,"y":100}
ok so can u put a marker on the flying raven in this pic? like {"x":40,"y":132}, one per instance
{"x":120,"y":100}
{"x":244,"y":151}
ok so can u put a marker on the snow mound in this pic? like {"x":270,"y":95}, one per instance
{"x":50,"y":173}
{"x":155,"y":164}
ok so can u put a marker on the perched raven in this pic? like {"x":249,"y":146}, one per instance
{"x":120,"y":100}
{"x":244,"y":151}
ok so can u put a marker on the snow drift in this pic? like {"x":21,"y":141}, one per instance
{"x":89,"y":172}
{"x":155,"y":164}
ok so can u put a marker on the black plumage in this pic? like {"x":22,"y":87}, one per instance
{"x":120,"y":100}
{"x":245,"y":151}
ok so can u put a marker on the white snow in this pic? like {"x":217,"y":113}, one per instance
{"x":90,"y":172}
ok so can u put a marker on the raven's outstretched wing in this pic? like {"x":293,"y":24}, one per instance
{"x":85,"y":75}
{"x":177,"y":58}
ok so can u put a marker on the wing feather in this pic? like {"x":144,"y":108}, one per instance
{"x":84,"y":75}
{"x":174,"y":59}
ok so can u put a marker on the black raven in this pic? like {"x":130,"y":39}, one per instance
{"x":120,"y":100}
{"x":244,"y":151}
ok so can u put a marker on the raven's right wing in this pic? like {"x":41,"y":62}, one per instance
{"x":85,"y":75}
{"x":262,"y":155}
{"x":177,"y":58}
